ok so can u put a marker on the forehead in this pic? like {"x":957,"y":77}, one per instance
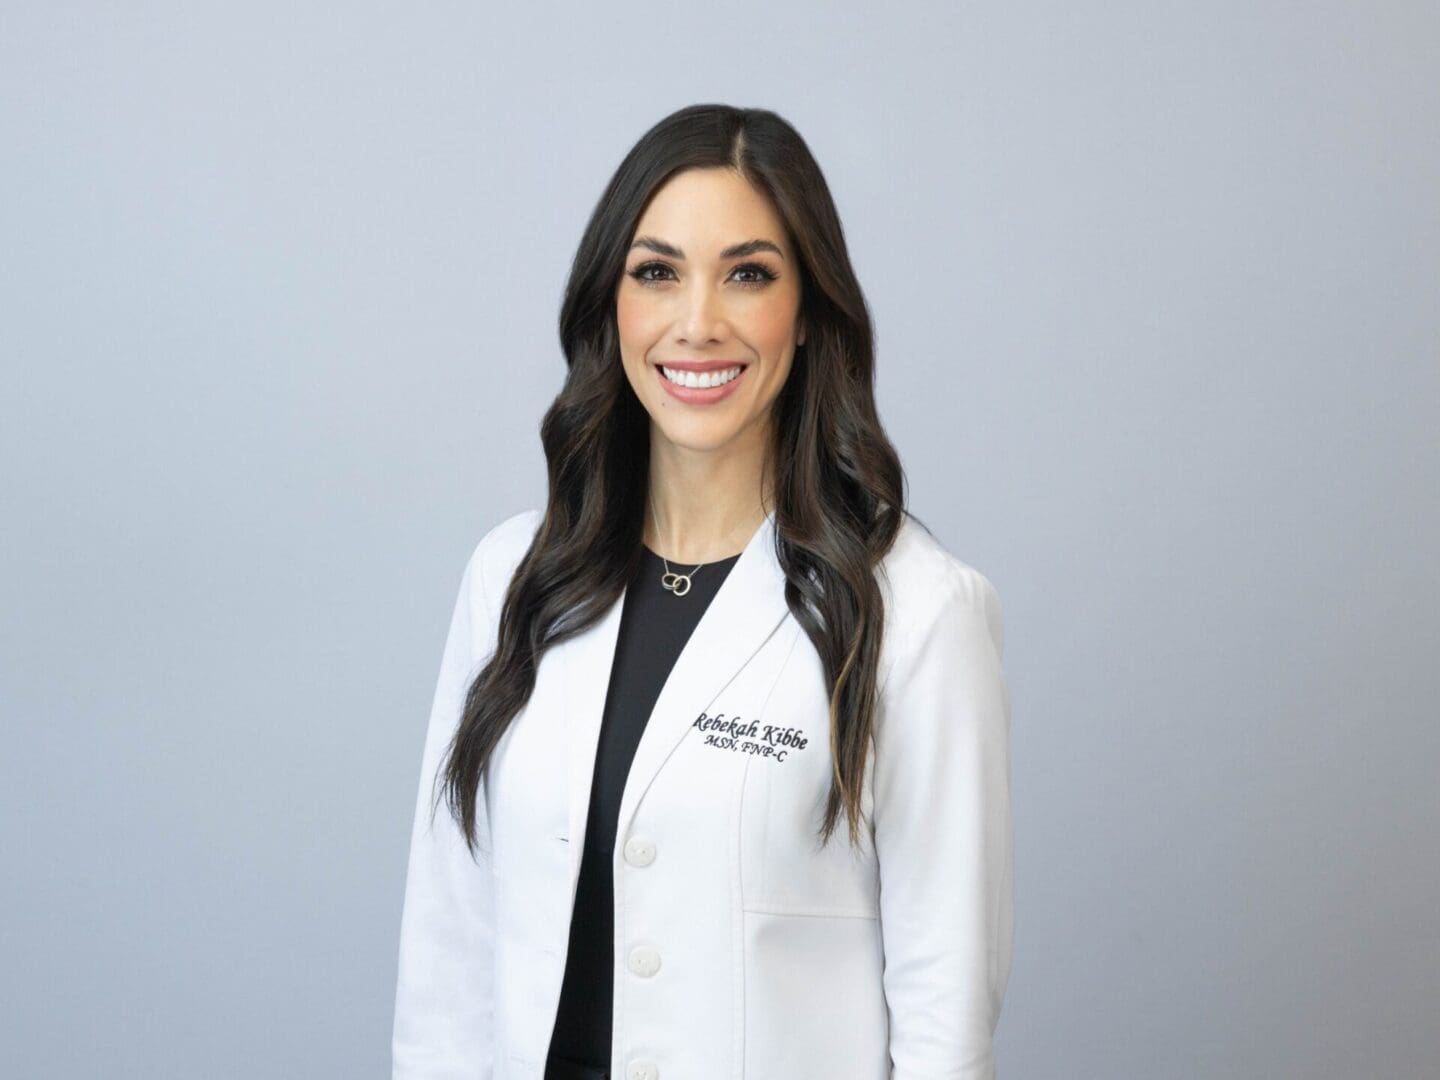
{"x":703,"y":211}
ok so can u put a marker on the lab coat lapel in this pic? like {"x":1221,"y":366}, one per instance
{"x":744,"y":612}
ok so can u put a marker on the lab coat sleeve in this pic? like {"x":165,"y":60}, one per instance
{"x":444,"y":995}
{"x":942,"y":831}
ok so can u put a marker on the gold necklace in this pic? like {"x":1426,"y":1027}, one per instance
{"x":677,"y":584}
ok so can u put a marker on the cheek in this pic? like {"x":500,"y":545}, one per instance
{"x":634,"y":321}
{"x":772,"y":333}
{"x":771,"y":328}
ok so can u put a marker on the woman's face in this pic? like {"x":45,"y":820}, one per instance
{"x":710,"y":283}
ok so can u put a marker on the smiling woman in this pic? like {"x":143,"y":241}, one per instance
{"x":721,"y":639}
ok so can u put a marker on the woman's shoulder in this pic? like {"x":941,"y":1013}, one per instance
{"x":510,"y":538}
{"x":496,"y":554}
{"x":922,"y":581}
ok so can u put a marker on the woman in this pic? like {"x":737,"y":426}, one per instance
{"x":723,"y":634}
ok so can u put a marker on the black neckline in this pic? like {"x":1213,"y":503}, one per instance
{"x":713,"y":562}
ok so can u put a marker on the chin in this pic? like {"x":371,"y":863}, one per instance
{"x":700,"y":436}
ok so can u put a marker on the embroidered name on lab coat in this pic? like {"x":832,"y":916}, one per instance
{"x":763,"y":740}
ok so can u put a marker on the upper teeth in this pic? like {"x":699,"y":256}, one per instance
{"x":701,"y":379}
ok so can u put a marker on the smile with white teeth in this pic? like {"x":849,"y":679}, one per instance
{"x":701,"y":380}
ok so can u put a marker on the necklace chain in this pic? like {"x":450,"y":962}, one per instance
{"x":677,"y":584}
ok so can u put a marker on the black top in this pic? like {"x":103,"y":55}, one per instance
{"x":654,"y":626}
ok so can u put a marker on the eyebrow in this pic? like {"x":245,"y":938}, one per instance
{"x":735,"y":251}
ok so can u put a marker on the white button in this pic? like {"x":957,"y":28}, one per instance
{"x":639,"y":852}
{"x":642,"y":1070}
{"x":644,"y":960}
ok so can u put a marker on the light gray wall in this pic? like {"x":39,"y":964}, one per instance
{"x":1155,"y":288}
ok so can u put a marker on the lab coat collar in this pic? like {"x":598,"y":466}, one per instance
{"x":745,"y":611}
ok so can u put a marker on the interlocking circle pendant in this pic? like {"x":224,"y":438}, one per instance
{"x":679,"y":584}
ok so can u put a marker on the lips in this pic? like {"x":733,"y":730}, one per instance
{"x":695,"y":395}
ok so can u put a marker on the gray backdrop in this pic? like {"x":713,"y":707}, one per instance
{"x":1156,"y":295}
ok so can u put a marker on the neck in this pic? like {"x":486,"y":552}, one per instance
{"x":695,"y":524}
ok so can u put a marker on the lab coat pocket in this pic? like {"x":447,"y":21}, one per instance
{"x":814,"y":1004}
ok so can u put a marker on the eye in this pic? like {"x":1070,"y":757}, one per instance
{"x":640,"y":273}
{"x":766,"y":276}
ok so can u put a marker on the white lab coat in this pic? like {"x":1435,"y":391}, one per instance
{"x":741,"y":951}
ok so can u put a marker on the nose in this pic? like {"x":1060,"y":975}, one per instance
{"x":703,"y":318}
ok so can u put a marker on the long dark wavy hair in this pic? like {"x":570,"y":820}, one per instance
{"x":838,"y":485}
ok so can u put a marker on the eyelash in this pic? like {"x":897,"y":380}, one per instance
{"x":766,"y":277}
